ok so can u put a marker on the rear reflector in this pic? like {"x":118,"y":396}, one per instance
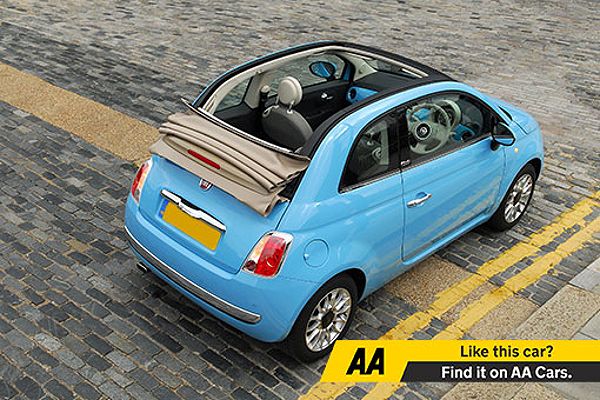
{"x":203,"y":159}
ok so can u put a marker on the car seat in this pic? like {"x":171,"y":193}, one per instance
{"x":282,"y":124}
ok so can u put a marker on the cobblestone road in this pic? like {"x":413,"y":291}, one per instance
{"x":78,"y":320}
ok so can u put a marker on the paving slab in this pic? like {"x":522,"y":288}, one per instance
{"x":581,"y":336}
{"x":592,"y":327}
{"x":577,"y":391}
{"x":536,"y":391}
{"x":561,"y":317}
{"x":484,"y":391}
{"x":589,"y":278}
{"x":502,"y":320}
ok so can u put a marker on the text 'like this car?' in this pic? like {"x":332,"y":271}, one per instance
{"x":298,"y":183}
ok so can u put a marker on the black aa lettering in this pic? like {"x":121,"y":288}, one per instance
{"x":359,"y":362}
{"x":376,"y":362}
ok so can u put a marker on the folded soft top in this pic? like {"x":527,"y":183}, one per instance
{"x":252,"y":171}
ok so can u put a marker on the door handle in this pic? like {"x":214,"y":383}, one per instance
{"x":325,"y":96}
{"x":420,"y":200}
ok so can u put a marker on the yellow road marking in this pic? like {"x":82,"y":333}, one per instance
{"x":111,"y":130}
{"x":452,"y":296}
{"x":480,"y":308}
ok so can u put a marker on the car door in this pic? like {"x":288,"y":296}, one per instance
{"x":369,"y":191}
{"x":451,"y":173}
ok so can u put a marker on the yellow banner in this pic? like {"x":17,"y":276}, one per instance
{"x":463,"y":360}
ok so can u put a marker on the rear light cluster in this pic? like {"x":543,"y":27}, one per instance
{"x":268,"y":255}
{"x":139,"y":180}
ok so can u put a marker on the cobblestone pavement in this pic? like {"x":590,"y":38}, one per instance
{"x":78,"y":320}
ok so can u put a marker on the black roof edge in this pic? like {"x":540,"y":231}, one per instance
{"x":387,"y":54}
{"x":431,"y":72}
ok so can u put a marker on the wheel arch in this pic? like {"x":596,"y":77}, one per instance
{"x":356,"y":274}
{"x":537,"y":164}
{"x":359,"y":277}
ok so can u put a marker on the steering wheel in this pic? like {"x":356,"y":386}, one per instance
{"x":453,"y":111}
{"x":373,"y":145}
{"x":436,"y":127}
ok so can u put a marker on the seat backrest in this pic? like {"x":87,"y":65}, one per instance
{"x":281,"y":123}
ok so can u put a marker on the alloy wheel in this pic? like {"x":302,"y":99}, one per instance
{"x":519,"y":198}
{"x":328,"y":319}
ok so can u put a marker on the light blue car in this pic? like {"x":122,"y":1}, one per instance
{"x":300,"y":182}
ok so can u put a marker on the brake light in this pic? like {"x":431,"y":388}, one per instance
{"x":268,"y":255}
{"x":139,"y":180}
{"x":205,"y":160}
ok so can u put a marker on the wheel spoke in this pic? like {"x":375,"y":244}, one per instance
{"x":345,"y":308}
{"x":311,"y":336}
{"x":508,"y":211}
{"x":332,"y":335}
{"x":322,"y":308}
{"x":323,"y":338}
{"x":312,"y":325}
{"x":343,"y":302}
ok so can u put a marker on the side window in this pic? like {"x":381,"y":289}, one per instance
{"x":235,"y":96}
{"x":299,"y":69}
{"x":443,"y":123}
{"x":375,"y":153}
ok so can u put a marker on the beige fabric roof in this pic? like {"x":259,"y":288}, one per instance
{"x":247,"y":169}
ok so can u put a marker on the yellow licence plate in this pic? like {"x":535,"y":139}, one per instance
{"x":195,"y":228}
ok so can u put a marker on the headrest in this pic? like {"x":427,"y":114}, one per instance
{"x":289,"y":92}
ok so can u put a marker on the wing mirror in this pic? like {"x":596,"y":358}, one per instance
{"x":323,"y":69}
{"x":502,"y":136}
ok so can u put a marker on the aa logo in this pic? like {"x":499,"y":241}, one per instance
{"x":359,"y":362}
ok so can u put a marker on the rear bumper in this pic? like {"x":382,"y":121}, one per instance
{"x":265,"y":309}
{"x":198,"y":291}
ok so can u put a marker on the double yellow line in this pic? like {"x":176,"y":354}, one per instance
{"x":452,"y":296}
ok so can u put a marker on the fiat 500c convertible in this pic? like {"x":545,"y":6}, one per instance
{"x":297,"y":184}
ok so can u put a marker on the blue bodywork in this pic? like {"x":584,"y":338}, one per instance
{"x":367,"y":230}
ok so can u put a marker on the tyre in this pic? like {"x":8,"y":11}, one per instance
{"x":515,"y":201}
{"x":324,"y":319}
